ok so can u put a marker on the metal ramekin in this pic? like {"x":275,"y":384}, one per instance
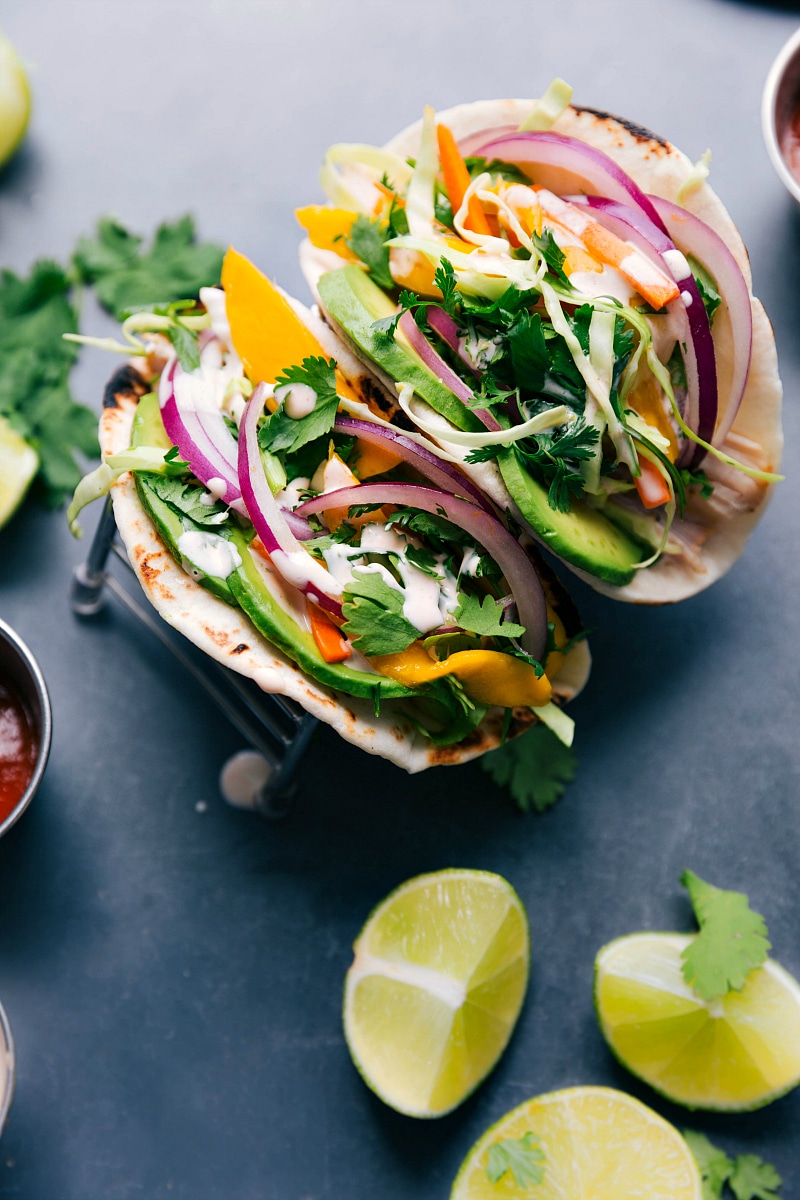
{"x":779,"y":103}
{"x":18,"y":665}
{"x":7,"y":1049}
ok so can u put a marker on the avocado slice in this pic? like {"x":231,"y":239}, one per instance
{"x":245,"y":587}
{"x":582,"y":536}
{"x":355,"y":303}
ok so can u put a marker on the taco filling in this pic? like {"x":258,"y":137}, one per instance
{"x":583,"y":346}
{"x":361,"y":553}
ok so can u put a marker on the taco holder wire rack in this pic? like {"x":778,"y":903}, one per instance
{"x":276,"y":727}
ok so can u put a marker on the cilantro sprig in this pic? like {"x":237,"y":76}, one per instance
{"x":35,"y":364}
{"x":747,"y":1176}
{"x":128,"y":276}
{"x":288,"y":433}
{"x":521,"y":1157}
{"x":731,"y":942}
{"x":366,"y":239}
{"x":374,"y":612}
{"x":484,"y":616}
{"x":535,"y":767}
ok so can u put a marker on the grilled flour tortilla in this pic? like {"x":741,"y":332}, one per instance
{"x":224,"y":630}
{"x":712,"y":535}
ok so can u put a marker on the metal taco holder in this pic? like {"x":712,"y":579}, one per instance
{"x":277,"y":728}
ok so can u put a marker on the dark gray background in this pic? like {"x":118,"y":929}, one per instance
{"x":173,"y":976}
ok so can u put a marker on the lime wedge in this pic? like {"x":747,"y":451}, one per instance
{"x":732,"y":1054}
{"x":594,"y":1143}
{"x":435,"y":989}
{"x":18,"y":465}
{"x":15,"y":100}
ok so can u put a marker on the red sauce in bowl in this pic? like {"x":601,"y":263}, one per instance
{"x":790,"y":143}
{"x":19,"y":747}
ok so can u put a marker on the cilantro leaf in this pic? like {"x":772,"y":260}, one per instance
{"x":187,"y":500}
{"x":747,"y":1176}
{"x":706,"y":286}
{"x":485,"y":617}
{"x":698,"y":479}
{"x":713,"y":1164}
{"x":374,"y":613}
{"x":552,"y":254}
{"x":521,"y":1156}
{"x":536,"y":767}
{"x":424,"y":561}
{"x":731,"y":942}
{"x":187,"y":346}
{"x":289,"y":434}
{"x":444,"y":278}
{"x":529,"y":358}
{"x":754,"y":1179}
{"x":366,"y":239}
{"x":507,"y":171}
{"x":126,"y":276}
{"x":35,"y":362}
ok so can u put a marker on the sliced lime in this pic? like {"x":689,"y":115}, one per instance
{"x":436,"y":987}
{"x":15,"y":100}
{"x":18,"y":465}
{"x":593,"y":1143}
{"x":735,"y":1053}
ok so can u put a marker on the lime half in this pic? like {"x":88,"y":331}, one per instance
{"x":18,"y":465}
{"x":593,"y":1143}
{"x":736,"y":1053}
{"x":15,"y":100}
{"x":435,"y":989}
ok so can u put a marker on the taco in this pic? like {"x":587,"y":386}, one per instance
{"x":557,"y":297}
{"x":274,"y":519}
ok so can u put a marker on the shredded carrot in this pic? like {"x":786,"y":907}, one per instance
{"x":651,"y":485}
{"x":457,"y":180}
{"x":330,"y":643}
{"x":391,"y":195}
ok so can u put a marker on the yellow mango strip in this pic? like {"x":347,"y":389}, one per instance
{"x":371,"y":459}
{"x":413,"y":270}
{"x":578,"y":259}
{"x":327,"y":228}
{"x":646,"y":399}
{"x":487,"y":676}
{"x":267,"y":333}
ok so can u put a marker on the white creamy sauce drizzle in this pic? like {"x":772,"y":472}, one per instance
{"x":289,"y":497}
{"x":209,"y":554}
{"x":479,"y":350}
{"x":217,"y":488}
{"x":686,"y":299}
{"x":213,"y":301}
{"x":677,"y":265}
{"x":299,"y":568}
{"x":298,"y":399}
{"x":427,"y":601}
{"x":203,"y":390}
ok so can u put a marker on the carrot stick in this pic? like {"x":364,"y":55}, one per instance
{"x":651,"y":485}
{"x":330,"y":643}
{"x":457,"y":180}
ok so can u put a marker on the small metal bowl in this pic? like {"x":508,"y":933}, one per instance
{"x":21,"y":669}
{"x":779,"y":104}
{"x":8,"y":1072}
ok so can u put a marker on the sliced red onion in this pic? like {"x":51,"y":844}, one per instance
{"x":470,"y":146}
{"x":519,"y":572}
{"x":202,"y":444}
{"x":603,"y":175}
{"x":434,"y":362}
{"x":440,"y":472}
{"x":697,"y":239}
{"x":447,"y":329}
{"x":288,"y":556}
{"x":688,"y":309}
{"x":205,"y":442}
